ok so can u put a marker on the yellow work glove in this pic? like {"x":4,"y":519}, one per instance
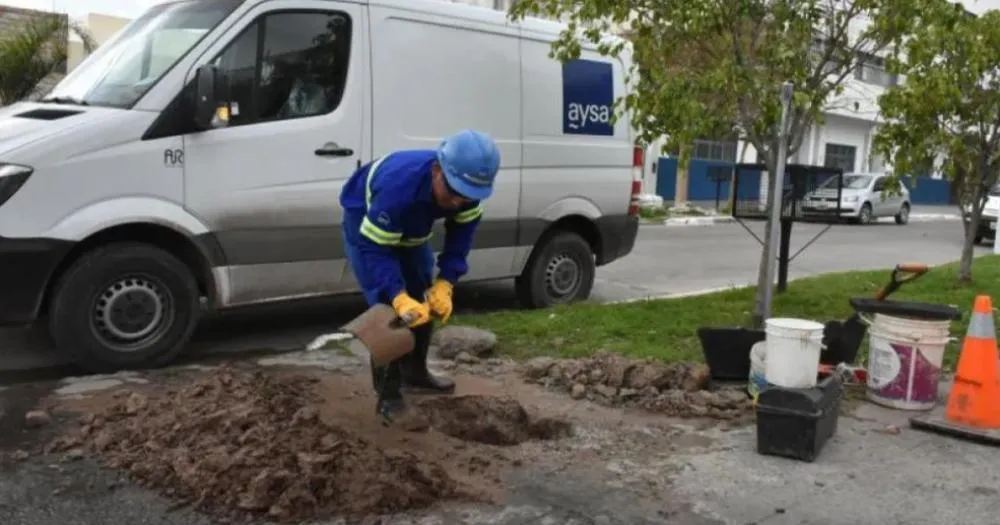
{"x":439,"y":299}
{"x":416,"y":313}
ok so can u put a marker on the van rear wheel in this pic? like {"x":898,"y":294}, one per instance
{"x":124,"y":306}
{"x":560,"y":270}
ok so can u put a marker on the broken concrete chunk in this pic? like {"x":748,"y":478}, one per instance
{"x":37,"y":418}
{"x":453,"y":340}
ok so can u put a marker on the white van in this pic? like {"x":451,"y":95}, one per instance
{"x":125,"y":201}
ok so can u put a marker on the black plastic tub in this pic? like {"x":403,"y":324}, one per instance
{"x":727,"y":351}
{"x":797,"y":422}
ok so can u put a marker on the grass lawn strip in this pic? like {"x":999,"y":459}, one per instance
{"x":666,"y":329}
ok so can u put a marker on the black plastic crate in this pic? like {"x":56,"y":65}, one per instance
{"x":797,"y":422}
{"x":727,"y":351}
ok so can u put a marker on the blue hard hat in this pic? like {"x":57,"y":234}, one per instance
{"x":470,"y":161}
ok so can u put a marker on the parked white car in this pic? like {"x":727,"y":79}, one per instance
{"x":863,"y":198}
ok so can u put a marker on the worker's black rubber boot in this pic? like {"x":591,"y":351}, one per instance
{"x":416,"y":376}
{"x":386,"y":380}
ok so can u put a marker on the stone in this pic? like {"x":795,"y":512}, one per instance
{"x":37,"y":418}
{"x":697,"y":378}
{"x":537,"y":368}
{"x":453,"y":340}
{"x":645,"y":375}
{"x":606,"y":391}
{"x":465,"y":358}
{"x":579,"y":391}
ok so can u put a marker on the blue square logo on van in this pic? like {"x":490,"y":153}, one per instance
{"x":588,"y":97}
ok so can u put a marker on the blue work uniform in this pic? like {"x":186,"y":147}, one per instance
{"x":389,"y":210}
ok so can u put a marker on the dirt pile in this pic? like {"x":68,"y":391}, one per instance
{"x":675,"y":389}
{"x":246,"y":442}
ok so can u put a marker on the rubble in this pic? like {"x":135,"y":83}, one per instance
{"x":675,"y":389}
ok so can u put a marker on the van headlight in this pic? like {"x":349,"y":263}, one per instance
{"x":12,"y":177}
{"x":851,"y":198}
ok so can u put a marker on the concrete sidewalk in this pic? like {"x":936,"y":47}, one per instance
{"x":919,"y":213}
{"x":875,"y":470}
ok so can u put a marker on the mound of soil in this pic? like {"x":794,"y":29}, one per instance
{"x":249,"y":442}
{"x":489,"y":420}
{"x":676,"y":389}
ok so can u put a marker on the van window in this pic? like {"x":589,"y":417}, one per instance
{"x":286,"y":65}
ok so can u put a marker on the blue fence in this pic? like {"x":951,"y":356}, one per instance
{"x":701,"y":188}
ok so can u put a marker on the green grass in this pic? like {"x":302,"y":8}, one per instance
{"x":666,"y":329}
{"x":651,"y":213}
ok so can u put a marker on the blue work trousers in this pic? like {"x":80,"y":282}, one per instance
{"x":416,"y":265}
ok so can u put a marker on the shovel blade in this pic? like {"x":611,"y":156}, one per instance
{"x":380,"y":331}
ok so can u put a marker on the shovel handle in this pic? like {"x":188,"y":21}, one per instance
{"x":902,"y":273}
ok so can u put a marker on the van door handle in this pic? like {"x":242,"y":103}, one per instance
{"x":332,"y":149}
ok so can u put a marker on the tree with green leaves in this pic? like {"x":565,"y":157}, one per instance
{"x":947,"y":113}
{"x":705,"y":68}
{"x":37,"y":48}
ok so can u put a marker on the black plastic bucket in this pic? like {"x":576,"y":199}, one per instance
{"x":727,"y":351}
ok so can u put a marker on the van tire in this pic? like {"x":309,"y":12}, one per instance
{"x":557,"y":259}
{"x":156,"y":286}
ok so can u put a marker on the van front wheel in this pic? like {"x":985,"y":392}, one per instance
{"x":124,"y":306}
{"x":560,"y":270}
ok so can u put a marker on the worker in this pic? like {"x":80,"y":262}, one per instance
{"x":389,"y":207}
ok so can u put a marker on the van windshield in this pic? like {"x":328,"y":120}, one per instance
{"x":122,"y":70}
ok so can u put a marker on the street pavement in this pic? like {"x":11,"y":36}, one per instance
{"x":666,"y":260}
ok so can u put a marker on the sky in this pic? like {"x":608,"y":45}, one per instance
{"x":132,"y":8}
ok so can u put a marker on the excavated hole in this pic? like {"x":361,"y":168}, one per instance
{"x":489,"y":420}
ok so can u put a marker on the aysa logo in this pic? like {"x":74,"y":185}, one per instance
{"x":580,"y":115}
{"x":588,"y":97}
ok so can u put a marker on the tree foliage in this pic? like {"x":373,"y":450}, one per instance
{"x":36,"y":49}
{"x":708,"y":67}
{"x":947,"y":113}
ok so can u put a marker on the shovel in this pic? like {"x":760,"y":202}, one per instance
{"x":386,"y":335}
{"x":843,"y":338}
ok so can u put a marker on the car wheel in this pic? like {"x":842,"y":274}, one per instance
{"x":903,"y":216}
{"x":865,"y":215}
{"x":124,"y":306}
{"x":560,"y":270}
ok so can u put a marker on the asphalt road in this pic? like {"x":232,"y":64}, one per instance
{"x":666,"y":260}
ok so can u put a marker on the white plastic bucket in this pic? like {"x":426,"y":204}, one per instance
{"x":793,"y":350}
{"x":757,"y":380}
{"x":904,"y":361}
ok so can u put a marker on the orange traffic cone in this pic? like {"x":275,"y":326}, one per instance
{"x":973,"y":408}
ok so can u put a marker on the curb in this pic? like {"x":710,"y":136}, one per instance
{"x":708,"y":221}
{"x":680,"y":295}
{"x":697,"y":221}
{"x":928,"y":217}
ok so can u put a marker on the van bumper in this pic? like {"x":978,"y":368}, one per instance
{"x":26,"y":265}
{"x":617,"y":234}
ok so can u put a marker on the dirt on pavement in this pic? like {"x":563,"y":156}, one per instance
{"x":284,"y":444}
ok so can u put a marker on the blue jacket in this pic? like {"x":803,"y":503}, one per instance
{"x":397,"y":211}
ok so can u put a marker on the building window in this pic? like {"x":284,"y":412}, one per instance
{"x":871,"y":70}
{"x":715,"y":150}
{"x":840,"y":156}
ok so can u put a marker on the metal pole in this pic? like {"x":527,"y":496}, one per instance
{"x":777,"y":204}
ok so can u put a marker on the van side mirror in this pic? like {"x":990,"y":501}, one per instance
{"x":209,"y":112}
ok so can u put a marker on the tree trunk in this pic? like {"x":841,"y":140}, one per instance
{"x":976,"y":213}
{"x":771,"y":161}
